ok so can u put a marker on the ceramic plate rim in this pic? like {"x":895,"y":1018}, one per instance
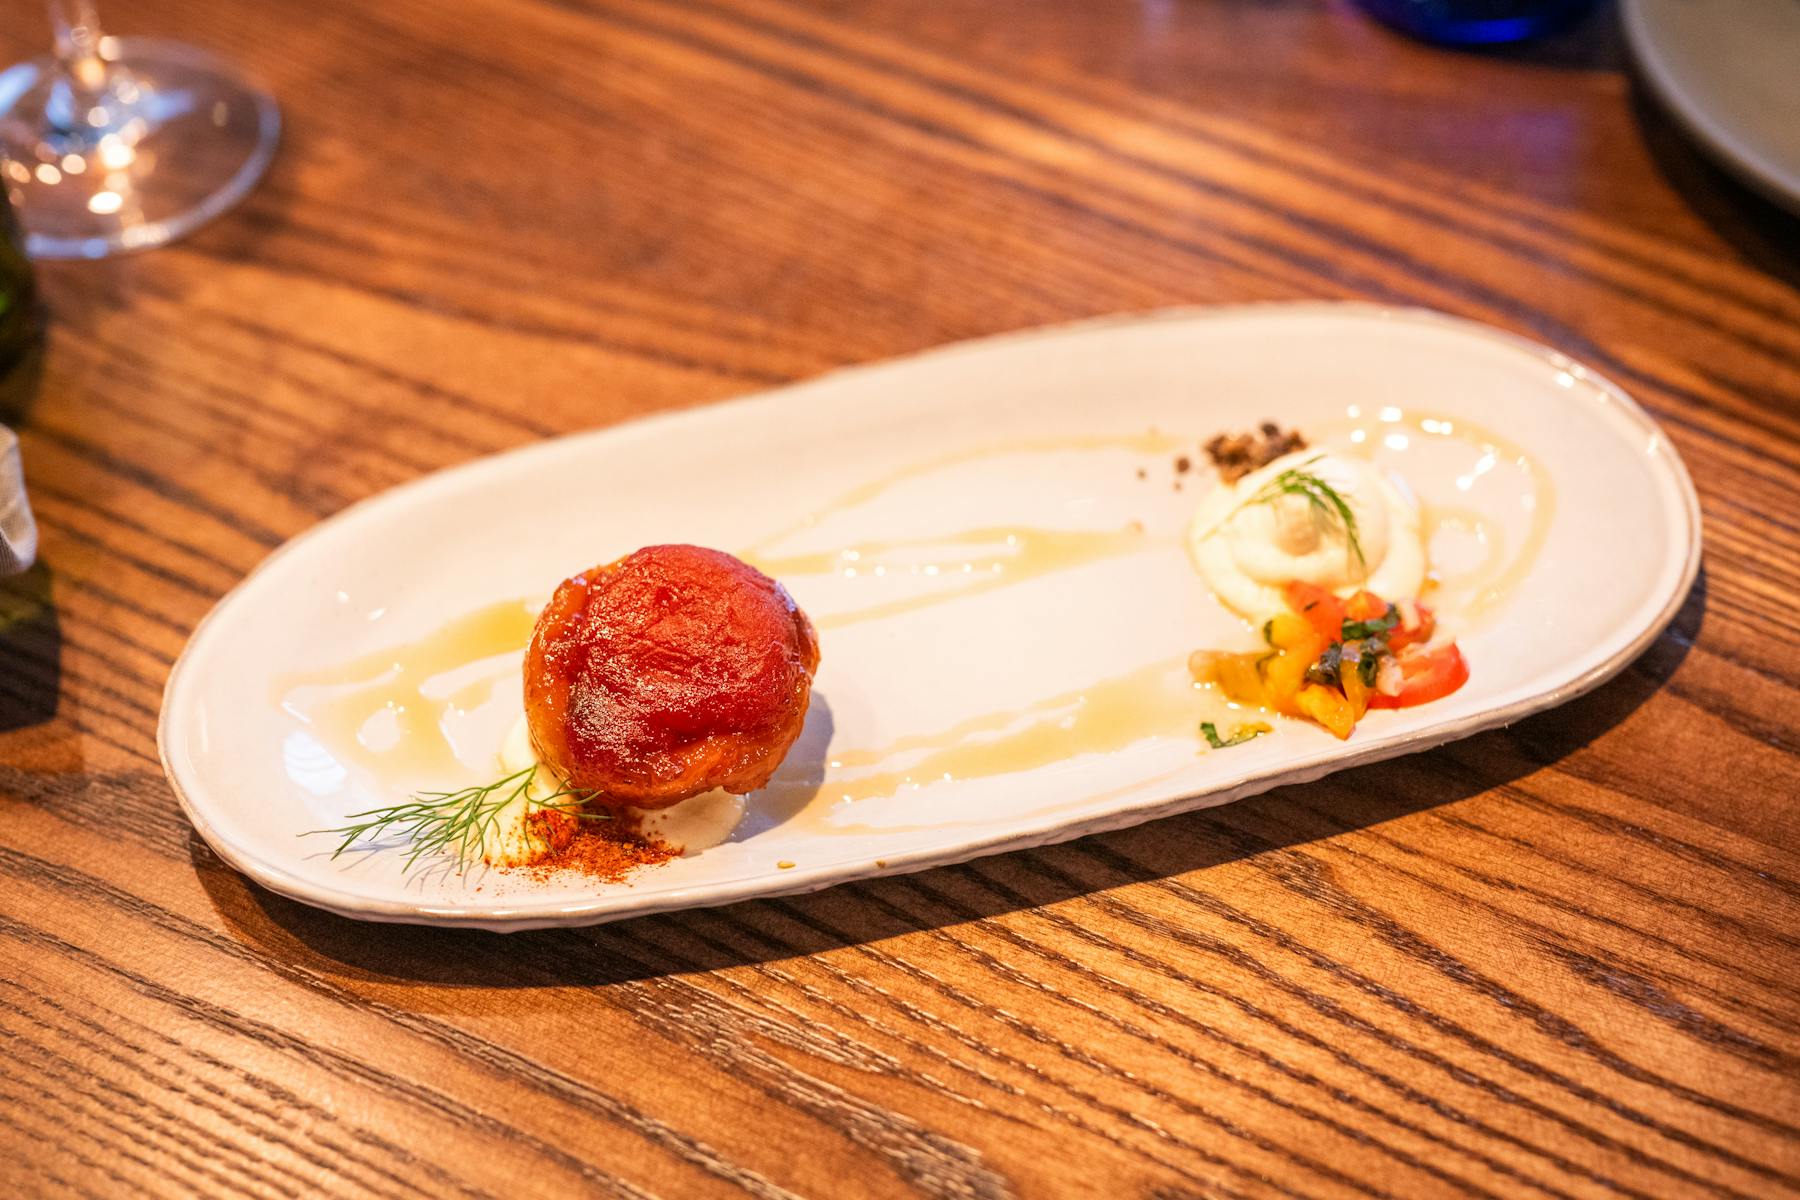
{"x":1769,"y":177}
{"x":1046,"y":828}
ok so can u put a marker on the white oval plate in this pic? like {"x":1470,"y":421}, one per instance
{"x":1621,"y":550}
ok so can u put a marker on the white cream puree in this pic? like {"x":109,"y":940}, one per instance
{"x":1247,"y":552}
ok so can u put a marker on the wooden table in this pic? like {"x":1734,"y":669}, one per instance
{"x":1559,"y":960}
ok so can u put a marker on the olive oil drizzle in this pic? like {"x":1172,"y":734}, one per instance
{"x":1478,"y":592}
{"x":1154,"y":701}
{"x":968,"y":563}
{"x":348,"y":705}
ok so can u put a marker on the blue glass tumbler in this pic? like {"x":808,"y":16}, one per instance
{"x":1476,"y":22}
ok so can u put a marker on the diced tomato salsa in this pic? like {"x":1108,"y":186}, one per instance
{"x":1331,"y":659}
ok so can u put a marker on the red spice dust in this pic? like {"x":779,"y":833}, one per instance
{"x":606,"y":851}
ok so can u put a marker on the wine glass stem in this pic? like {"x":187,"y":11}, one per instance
{"x":77,"y":31}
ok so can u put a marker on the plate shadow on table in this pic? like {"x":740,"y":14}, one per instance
{"x":1763,"y":233}
{"x":30,"y":649}
{"x":317,"y":943}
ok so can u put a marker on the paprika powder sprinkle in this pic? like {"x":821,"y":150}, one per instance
{"x":606,"y":851}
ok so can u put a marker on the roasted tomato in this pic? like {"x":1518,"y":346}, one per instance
{"x":1425,"y":675}
{"x":668,"y":673}
{"x":1415,"y":627}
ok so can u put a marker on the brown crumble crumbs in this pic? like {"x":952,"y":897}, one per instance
{"x":1238,"y":454}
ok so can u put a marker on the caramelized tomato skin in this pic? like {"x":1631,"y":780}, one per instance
{"x":667,"y":673}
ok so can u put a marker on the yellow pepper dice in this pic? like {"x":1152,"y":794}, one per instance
{"x":1356,"y":692}
{"x":1234,"y":675}
{"x":1328,"y":707}
{"x":1285,"y":674}
{"x":1291,"y":631}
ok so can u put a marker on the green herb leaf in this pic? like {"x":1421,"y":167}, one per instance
{"x":1379,"y":627}
{"x":1368,"y":663}
{"x":456,"y":823}
{"x":1328,"y":507}
{"x":1330,"y":664}
{"x":1239,"y":736}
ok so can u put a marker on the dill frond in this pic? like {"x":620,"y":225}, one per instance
{"x":459,"y":823}
{"x":1328,"y":507}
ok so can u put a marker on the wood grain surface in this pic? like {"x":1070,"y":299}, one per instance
{"x":1555,"y":961}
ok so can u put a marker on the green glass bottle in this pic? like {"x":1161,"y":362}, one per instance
{"x":21,"y":321}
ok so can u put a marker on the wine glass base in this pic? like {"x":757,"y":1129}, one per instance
{"x":176,"y":138}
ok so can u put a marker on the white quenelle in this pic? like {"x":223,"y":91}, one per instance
{"x":1251,"y":538}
